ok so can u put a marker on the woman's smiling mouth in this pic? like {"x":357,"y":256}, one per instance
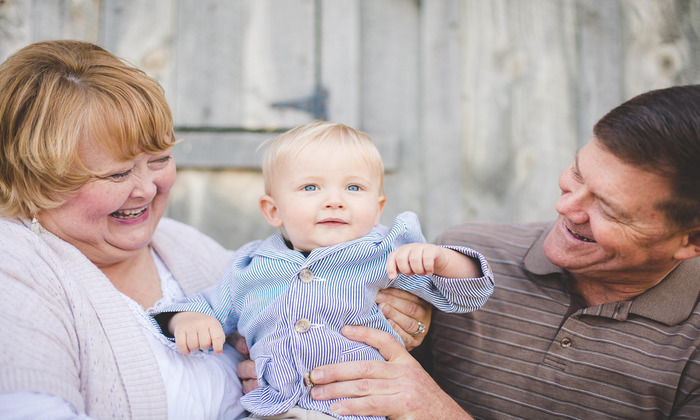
{"x":129,"y":214}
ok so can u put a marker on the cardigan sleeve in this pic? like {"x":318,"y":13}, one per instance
{"x":40,"y":352}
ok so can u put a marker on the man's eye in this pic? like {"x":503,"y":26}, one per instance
{"x":310,"y":188}
{"x":606,"y":214}
{"x":354,"y":188}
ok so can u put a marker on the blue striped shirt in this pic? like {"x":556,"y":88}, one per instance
{"x":290,"y":308}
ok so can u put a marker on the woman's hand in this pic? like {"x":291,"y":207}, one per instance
{"x":404,"y":310}
{"x":246,"y":369}
{"x":398,"y":388}
{"x":247,"y":375}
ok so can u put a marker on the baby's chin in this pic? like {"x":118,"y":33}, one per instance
{"x":323,"y":243}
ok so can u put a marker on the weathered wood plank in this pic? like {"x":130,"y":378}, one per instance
{"x":441,"y":141}
{"x":15,"y":26}
{"x":25,"y":21}
{"x":340,"y":53}
{"x":209,"y":74}
{"x":142,"y":32}
{"x":237,"y":58}
{"x":519,"y":111}
{"x":389,"y":93}
{"x":600,"y":81}
{"x":662,"y":44}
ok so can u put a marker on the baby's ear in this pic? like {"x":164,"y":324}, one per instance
{"x":270,"y":211}
{"x":380,"y":208}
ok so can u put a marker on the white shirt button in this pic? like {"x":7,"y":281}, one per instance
{"x":306,"y":276}
{"x":302,"y":326}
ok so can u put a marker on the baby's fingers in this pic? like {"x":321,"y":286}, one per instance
{"x":402,"y":259}
{"x":217,"y":339}
{"x":181,"y":342}
{"x":391,"y":265}
{"x":425,"y":262}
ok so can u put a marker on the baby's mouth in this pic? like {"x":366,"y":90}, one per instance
{"x":129,"y":214}
{"x":579,"y":237}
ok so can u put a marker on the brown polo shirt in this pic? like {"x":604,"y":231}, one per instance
{"x":520,"y":356}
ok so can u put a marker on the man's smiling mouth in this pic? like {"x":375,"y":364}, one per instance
{"x":579,"y":237}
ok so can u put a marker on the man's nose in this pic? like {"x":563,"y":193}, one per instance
{"x":574,"y":205}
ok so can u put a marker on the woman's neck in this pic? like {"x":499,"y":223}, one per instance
{"x":136,"y":277}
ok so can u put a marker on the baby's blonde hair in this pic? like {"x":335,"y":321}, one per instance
{"x":56,"y":94}
{"x":290,"y":143}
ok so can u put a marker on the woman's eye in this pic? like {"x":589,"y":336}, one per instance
{"x":119,"y":176}
{"x":161,"y":161}
{"x":310,"y":188}
{"x":354,"y":188}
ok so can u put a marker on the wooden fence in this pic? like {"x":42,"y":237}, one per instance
{"x":476,"y":105}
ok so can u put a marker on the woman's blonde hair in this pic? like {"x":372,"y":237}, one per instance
{"x":290,"y":143}
{"x":56,"y":94}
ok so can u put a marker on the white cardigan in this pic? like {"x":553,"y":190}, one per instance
{"x":68,"y":332}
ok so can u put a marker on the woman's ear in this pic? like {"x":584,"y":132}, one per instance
{"x":270,"y":211}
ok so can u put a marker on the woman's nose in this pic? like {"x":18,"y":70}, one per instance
{"x":144,"y":185}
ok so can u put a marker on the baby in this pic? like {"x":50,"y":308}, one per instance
{"x":290,"y":294}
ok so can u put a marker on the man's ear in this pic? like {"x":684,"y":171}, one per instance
{"x":691,"y":245}
{"x":380,"y":208}
{"x":270,"y":211}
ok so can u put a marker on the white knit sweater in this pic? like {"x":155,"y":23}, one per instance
{"x":68,"y":332}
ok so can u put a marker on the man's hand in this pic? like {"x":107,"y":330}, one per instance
{"x":404,"y":310}
{"x":398,"y":388}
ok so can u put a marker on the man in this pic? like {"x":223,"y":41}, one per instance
{"x":594,"y":316}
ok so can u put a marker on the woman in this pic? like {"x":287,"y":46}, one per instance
{"x":85,"y":254}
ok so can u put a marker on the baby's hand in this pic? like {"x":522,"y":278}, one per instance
{"x":417,"y":258}
{"x":195,"y":331}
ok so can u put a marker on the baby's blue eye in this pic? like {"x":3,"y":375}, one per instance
{"x":310,"y":188}
{"x":353,"y":188}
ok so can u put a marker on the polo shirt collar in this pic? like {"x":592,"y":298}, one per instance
{"x":669,"y":302}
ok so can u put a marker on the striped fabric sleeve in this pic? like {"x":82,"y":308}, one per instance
{"x":458,"y":295}
{"x":214,"y":301}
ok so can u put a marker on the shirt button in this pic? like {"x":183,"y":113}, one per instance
{"x":565,"y":342}
{"x":307,"y":380}
{"x":302,"y":326}
{"x":306,"y":276}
